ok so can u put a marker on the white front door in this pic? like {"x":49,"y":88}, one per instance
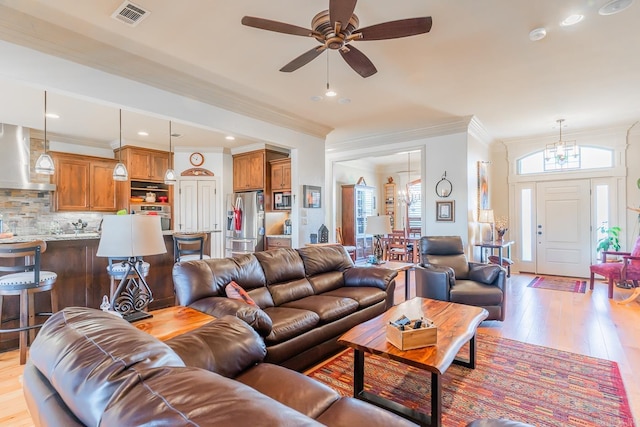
{"x":563,"y":228}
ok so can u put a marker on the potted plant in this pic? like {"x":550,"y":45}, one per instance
{"x":611,"y":238}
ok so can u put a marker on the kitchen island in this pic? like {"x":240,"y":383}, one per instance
{"x":82,"y":277}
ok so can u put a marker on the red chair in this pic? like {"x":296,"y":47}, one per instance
{"x":626,"y":270}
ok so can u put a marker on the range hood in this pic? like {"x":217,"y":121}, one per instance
{"x":15,"y":153}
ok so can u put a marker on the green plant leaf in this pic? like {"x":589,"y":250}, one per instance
{"x":638,"y":182}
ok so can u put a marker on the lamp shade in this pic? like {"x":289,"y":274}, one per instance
{"x":131,"y":236}
{"x":378,"y":225}
{"x":486,"y":216}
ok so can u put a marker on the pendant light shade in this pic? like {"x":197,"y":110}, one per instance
{"x":170,"y":174}
{"x":120,"y":171}
{"x":44,"y":164}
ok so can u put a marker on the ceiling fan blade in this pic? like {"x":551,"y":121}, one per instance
{"x":303,"y":59}
{"x":341,"y":11}
{"x":358,"y":61}
{"x":396,"y":29}
{"x":279,"y":27}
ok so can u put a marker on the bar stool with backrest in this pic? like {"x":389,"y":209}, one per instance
{"x":25,"y":279}
{"x":189,"y":246}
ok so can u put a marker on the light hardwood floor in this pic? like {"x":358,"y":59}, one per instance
{"x":587,"y":323}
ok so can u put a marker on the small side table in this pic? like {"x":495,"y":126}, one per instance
{"x":501,"y":260}
{"x":172,"y":321}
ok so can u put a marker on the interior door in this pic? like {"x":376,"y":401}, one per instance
{"x":188,"y":202}
{"x":563,"y":229}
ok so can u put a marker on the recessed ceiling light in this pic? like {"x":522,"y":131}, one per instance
{"x":572,"y":20}
{"x":316,"y":98}
{"x":614,"y":7}
{"x":344,"y":101}
{"x":229,"y":138}
{"x":537,"y":34}
{"x":52,"y":116}
{"x":143,"y":133}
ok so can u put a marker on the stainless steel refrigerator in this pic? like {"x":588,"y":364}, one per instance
{"x":244,"y":231}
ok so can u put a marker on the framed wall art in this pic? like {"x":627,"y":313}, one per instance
{"x":445,"y":211}
{"x":483,"y":186}
{"x":311,"y":196}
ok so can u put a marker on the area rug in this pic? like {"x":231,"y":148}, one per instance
{"x":558,"y":284}
{"x":522,"y":382}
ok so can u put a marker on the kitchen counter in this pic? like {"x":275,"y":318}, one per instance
{"x":83,"y":236}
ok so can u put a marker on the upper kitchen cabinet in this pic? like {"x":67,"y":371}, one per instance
{"x":145,"y":164}
{"x":83,"y":183}
{"x":251,"y":170}
{"x":281,"y":175}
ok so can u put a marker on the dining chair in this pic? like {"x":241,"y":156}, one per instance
{"x":397,"y":249}
{"x":25,"y":278}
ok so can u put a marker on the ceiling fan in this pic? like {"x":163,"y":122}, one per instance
{"x":336,"y":28}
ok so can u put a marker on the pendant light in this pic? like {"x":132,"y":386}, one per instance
{"x":120,"y":171}
{"x":44,"y":164}
{"x":170,"y":174}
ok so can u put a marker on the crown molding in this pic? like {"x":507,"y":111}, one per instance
{"x":31,"y":32}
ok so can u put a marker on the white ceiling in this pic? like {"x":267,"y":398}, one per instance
{"x":477,"y":60}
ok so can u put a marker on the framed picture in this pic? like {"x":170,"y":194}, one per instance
{"x":312,"y":196}
{"x":445,"y":211}
{"x":483,"y":186}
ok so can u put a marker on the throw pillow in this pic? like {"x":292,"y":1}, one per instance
{"x":235,"y":291}
{"x":484,"y":273}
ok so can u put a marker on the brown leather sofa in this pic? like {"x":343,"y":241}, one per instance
{"x":306,"y":298}
{"x":445,"y":274}
{"x":91,"y":368}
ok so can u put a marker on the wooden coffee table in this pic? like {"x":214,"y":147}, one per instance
{"x":172,"y":321}
{"x":456,"y":324}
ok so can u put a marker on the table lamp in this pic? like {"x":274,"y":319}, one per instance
{"x":378,"y":226}
{"x":486,"y":216}
{"x":131,"y":237}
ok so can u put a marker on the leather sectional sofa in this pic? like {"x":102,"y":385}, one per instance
{"x":305,"y":298}
{"x":91,"y":368}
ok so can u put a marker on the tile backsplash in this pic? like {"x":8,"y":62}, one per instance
{"x":28,"y":212}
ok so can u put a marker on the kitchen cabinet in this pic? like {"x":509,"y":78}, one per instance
{"x":357,"y":204}
{"x":278,"y":242}
{"x":251,"y":170}
{"x":84,"y":183}
{"x":145,"y":164}
{"x":281,"y":175}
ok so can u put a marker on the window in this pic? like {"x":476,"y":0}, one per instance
{"x":589,"y":158}
{"x":526,"y":232}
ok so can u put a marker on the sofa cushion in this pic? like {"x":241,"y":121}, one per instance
{"x":365,"y":297}
{"x":290,"y":291}
{"x":226,"y":346}
{"x":235,"y":291}
{"x":222,"y":306}
{"x":289,"y":322}
{"x":322,"y":259}
{"x":328,"y":307}
{"x":348,"y":412}
{"x":474,"y":293}
{"x":281,"y":265}
{"x":195,"y":397}
{"x":290,"y":388}
{"x":87,"y":355}
{"x":324,"y":282}
{"x":484,"y":273}
{"x":458,"y":263}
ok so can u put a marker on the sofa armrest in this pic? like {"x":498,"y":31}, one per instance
{"x":226,"y":346}
{"x":434,"y":281}
{"x":223,"y":306}
{"x":370,"y":276}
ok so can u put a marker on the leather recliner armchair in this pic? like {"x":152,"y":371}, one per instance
{"x":445,"y":274}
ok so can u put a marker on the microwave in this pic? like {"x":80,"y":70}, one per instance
{"x":282,"y":201}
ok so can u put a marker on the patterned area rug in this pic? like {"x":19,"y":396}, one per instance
{"x":559,"y":284}
{"x":522,"y":382}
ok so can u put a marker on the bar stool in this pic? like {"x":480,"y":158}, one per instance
{"x":189,"y":246}
{"x":25,"y":281}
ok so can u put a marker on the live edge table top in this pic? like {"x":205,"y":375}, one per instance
{"x":169,"y":322}
{"x":456,"y":324}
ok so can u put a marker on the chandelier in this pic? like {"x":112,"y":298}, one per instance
{"x":560,"y":152}
{"x":404,"y":196}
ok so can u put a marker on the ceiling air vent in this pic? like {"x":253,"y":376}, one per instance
{"x":130,"y":14}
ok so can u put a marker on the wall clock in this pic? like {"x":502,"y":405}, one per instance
{"x":196,"y":159}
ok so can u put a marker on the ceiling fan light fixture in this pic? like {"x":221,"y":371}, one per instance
{"x":537,"y":34}
{"x":614,"y":6}
{"x":572,"y":20}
